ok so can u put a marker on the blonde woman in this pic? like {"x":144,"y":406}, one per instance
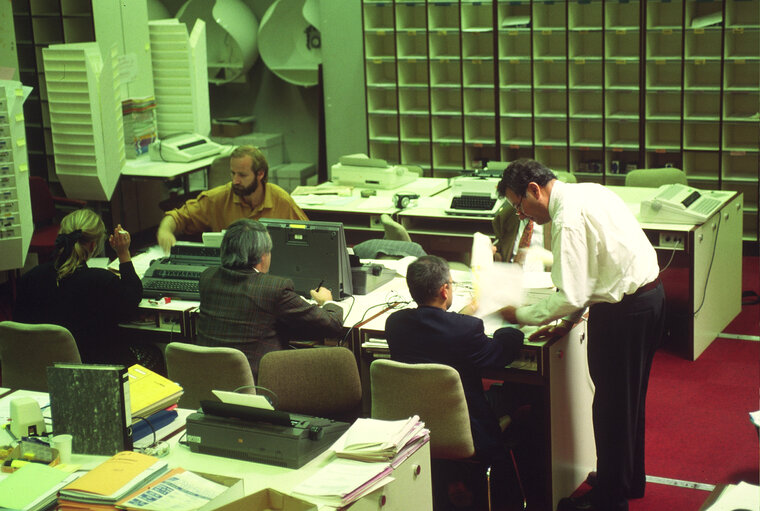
{"x":90,"y":302}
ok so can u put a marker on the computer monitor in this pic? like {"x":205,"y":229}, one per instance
{"x":309,"y":253}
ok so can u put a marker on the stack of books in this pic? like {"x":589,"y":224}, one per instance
{"x":105,"y":485}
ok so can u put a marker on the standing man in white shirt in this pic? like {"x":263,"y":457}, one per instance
{"x":603,"y":261}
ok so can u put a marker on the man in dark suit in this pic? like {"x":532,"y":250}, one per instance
{"x":431,"y":334}
{"x":244,"y":307}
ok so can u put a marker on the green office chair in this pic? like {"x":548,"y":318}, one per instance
{"x":654,"y":178}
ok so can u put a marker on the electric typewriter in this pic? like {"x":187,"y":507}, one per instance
{"x":177,"y":275}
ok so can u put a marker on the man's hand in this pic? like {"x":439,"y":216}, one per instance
{"x":321,"y":295}
{"x":119,"y":241}
{"x":165,"y":235}
{"x":509,"y":313}
{"x":550,"y":332}
{"x":470,"y":308}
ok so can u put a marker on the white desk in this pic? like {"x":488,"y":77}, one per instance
{"x":144,"y":167}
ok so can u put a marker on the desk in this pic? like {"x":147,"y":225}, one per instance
{"x":410,"y":489}
{"x":144,"y":167}
{"x":701,"y":263}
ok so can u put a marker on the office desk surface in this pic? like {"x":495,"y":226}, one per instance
{"x":143,"y":166}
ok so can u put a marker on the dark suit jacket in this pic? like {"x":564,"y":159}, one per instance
{"x":506,"y":225}
{"x":258,"y":313}
{"x":432,"y":335}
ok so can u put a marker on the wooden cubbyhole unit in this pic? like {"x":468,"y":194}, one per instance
{"x":477,"y":45}
{"x":411,"y":16}
{"x":586,"y":104}
{"x":476,"y":16}
{"x":448,"y":129}
{"x":703,"y":105}
{"x":551,"y":132}
{"x":553,"y":157}
{"x":383,"y":127}
{"x":515,"y":74}
{"x":660,"y":159}
{"x":381,"y":73}
{"x":586,"y":161}
{"x":443,"y":16}
{"x":622,"y":75}
{"x":513,"y":14}
{"x":517,"y":131}
{"x":702,"y":44}
{"x":550,"y":103}
{"x":479,"y":102}
{"x":411,"y":45}
{"x":378,"y":45}
{"x":550,"y":74}
{"x":585,"y":74}
{"x":416,"y":153}
{"x":621,"y":15}
{"x":413,"y":101}
{"x":549,"y":45}
{"x":663,"y":75}
{"x":741,"y":136}
{"x":413,"y":73}
{"x":378,"y":16}
{"x":479,"y":130}
{"x":477,"y":156}
{"x":514,"y":44}
{"x":663,"y":44}
{"x":444,"y":45}
{"x":741,"y":75}
{"x":448,"y":156}
{"x":382,"y":101}
{"x":388,"y":151}
{"x":622,"y":45}
{"x":701,"y":165}
{"x":664,"y":135}
{"x":515,"y":152}
{"x":415,"y":128}
{"x":740,"y":106}
{"x":702,"y":74}
{"x":585,"y":45}
{"x":742,"y":42}
{"x":740,"y":165}
{"x":623,"y":134}
{"x":446,"y":101}
{"x":698,"y":135}
{"x":664,"y":15}
{"x":742,"y":13}
{"x":478,"y":73}
{"x":584,"y":15}
{"x":586,"y":133}
{"x":446,"y":73}
{"x":515,"y":103}
{"x":663,"y":105}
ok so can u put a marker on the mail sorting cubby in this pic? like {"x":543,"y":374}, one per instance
{"x":586,"y":160}
{"x":550,"y":103}
{"x":514,"y":73}
{"x":622,"y":104}
{"x":411,"y":45}
{"x":742,"y":13}
{"x":443,"y":16}
{"x":551,"y":132}
{"x":480,"y":102}
{"x":663,"y":105}
{"x":379,"y":44}
{"x":702,"y":43}
{"x":546,"y":16}
{"x":621,"y":75}
{"x":662,"y":134}
{"x":477,"y":16}
{"x":743,"y":42}
{"x":515,"y":103}
{"x":385,"y":150}
{"x":702,"y":74}
{"x":446,"y":73}
{"x":664,"y":15}
{"x":700,"y":164}
{"x":585,"y":103}
{"x":448,"y":129}
{"x":740,"y":136}
{"x":701,"y":13}
{"x":663,"y":74}
{"x":411,"y":16}
{"x":739,"y":165}
{"x":478,"y":73}
{"x":477,"y":156}
{"x":702,"y":105}
{"x":586,"y":44}
{"x":585,"y":74}
{"x":480,"y":130}
{"x":381,"y":100}
{"x":444,"y":45}
{"x":416,"y":153}
{"x":739,"y":106}
{"x":477,"y":45}
{"x":741,"y":75}
{"x":550,"y":74}
{"x":381,"y":73}
{"x":512,"y":153}
{"x":553,"y":157}
{"x":517,"y":131}
{"x":549,"y":44}
{"x":622,"y":44}
{"x":621,"y":15}
{"x":513,"y":14}
{"x":413,"y":73}
{"x":623,"y":134}
{"x":586,"y":133}
{"x":446,"y":101}
{"x":413,"y":100}
{"x":663,"y":44}
{"x":448,"y":156}
{"x":378,"y":16}
{"x":657,"y":159}
{"x":383,"y":127}
{"x":415,"y":128}
{"x":514,"y":43}
{"x":584,"y":15}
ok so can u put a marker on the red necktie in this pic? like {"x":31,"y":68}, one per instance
{"x":524,"y":242}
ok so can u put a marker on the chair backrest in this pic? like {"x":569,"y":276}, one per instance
{"x":654,"y":178}
{"x":43,"y":206}
{"x":201,"y":369}
{"x":26,"y":350}
{"x":432,"y":391}
{"x":323,"y":382}
{"x":567,"y":177}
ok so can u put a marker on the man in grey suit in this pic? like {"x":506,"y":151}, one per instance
{"x":245,"y":307}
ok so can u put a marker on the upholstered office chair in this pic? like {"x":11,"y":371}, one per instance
{"x":26,"y":350}
{"x":323,"y":382}
{"x":654,"y":178}
{"x":435,"y":393}
{"x":44,"y":215}
{"x":201,"y":369}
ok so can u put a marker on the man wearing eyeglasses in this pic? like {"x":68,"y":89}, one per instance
{"x":603,"y":261}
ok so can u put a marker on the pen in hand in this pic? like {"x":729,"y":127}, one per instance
{"x":320,"y":284}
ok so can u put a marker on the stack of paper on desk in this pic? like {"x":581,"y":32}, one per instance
{"x":150,"y":392}
{"x":32,"y":487}
{"x":378,"y":440}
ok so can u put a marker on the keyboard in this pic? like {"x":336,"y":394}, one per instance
{"x":477,"y":205}
{"x":176,"y":288}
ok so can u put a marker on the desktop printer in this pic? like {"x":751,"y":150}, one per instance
{"x":474,"y":195}
{"x":183,"y":148}
{"x":259,"y":435}
{"x":361,"y":171}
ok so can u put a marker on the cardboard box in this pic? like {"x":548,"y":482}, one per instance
{"x":269,"y":143}
{"x":232,"y":126}
{"x":291,"y":175}
{"x":269,"y":500}
{"x":236,"y":490}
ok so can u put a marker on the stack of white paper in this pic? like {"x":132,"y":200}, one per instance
{"x":378,"y":440}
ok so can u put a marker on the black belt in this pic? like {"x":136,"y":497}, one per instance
{"x":647,"y":287}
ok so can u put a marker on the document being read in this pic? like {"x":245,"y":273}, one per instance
{"x":496,"y":284}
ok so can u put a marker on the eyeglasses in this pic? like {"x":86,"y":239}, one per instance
{"x":518,"y":207}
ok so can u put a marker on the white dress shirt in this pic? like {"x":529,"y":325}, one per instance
{"x":600,"y":253}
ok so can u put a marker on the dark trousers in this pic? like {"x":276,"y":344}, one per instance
{"x":623,"y":338}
